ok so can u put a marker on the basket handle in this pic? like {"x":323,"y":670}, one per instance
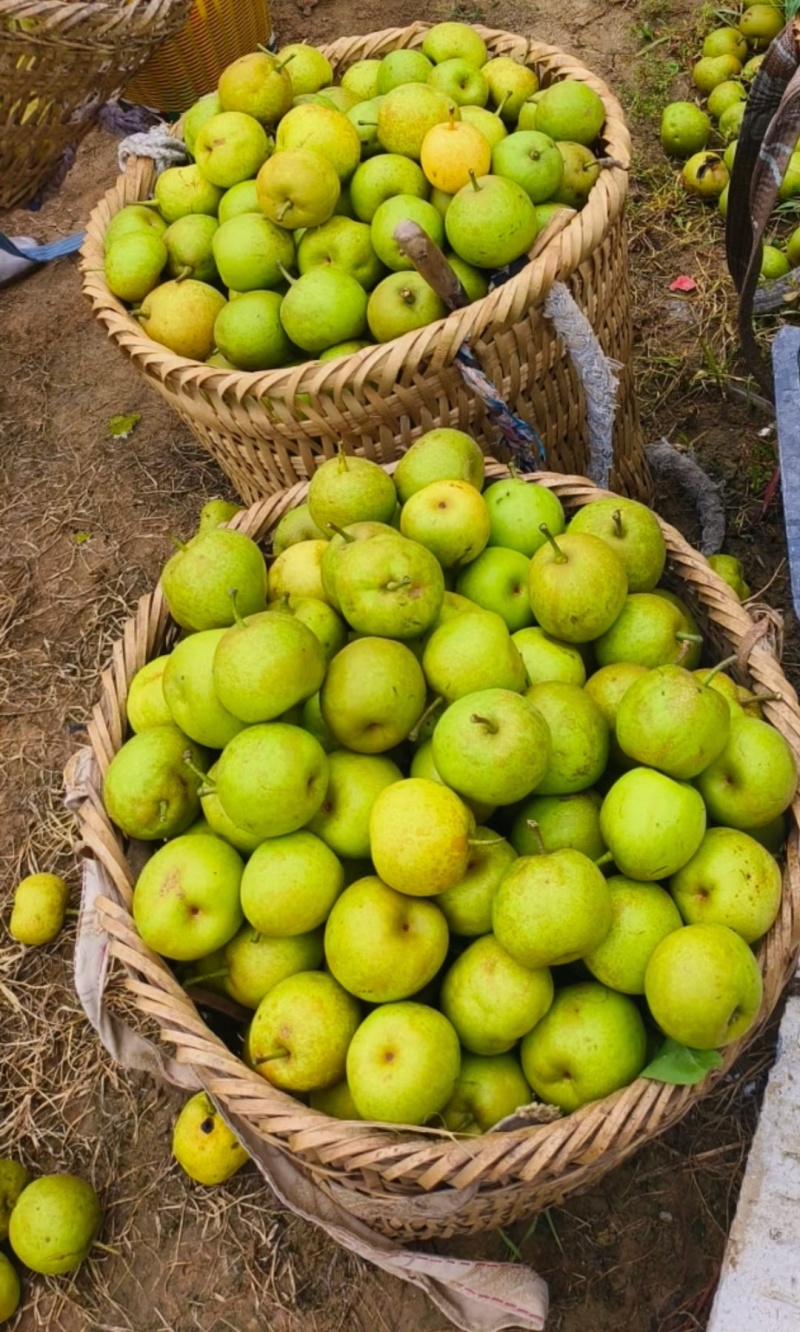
{"x":768,"y":136}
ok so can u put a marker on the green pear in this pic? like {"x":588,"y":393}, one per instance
{"x":703,"y":986}
{"x":198,"y":579}
{"x":324,"y":129}
{"x":258,"y":85}
{"x":361,"y":78}
{"x":372,"y":695}
{"x":149,"y":790}
{"x":13,"y":1179}
{"x":709,"y":71}
{"x":420,"y":836}
{"x":266,"y":664}
{"x":722,"y":97}
{"x":473,"y":280}
{"x":607,"y":688}
{"x":249,"y":332}
{"x":203,"y":1145}
{"x":489,"y":123}
{"x":359,"y":531}
{"x":186,"y":899}
{"x":517,"y":509}
{"x":450,"y":40}
{"x":197,"y":115}
{"x":753,"y":780}
{"x":577,"y":587}
{"x":190,"y":694}
{"x":402,"y":67}
{"x":423,"y":765}
{"x":633,"y":532}
{"x":669,"y":720}
{"x":336,"y":1101}
{"x":725,"y":41}
{"x":730,"y":880}
{"x":685,"y":129}
{"x":272,"y":779}
{"x":325,"y":306}
{"x":581,"y":171}
{"x":570,"y":110}
{"x":251,"y":252}
{"x":532,"y":160}
{"x":230,"y":148}
{"x":546,"y":823}
{"x":241,"y":198}
{"x":290,"y":884}
{"x":355,"y":782}
{"x":216,"y":513}
{"x":54,"y":1224}
{"x":510,"y":84}
{"x":298,"y":188}
{"x":364,"y":118}
{"x":439,"y":455}
{"x":218,"y":822}
{"x":134,"y":217}
{"x":649,"y":631}
{"x":348,"y":489}
{"x":492,"y":745}
{"x":405,"y":115}
{"x":133,"y":264}
{"x":460,"y":80}
{"x":497,"y":580}
{"x":403,"y":1063}
{"x":546,"y":658}
{"x":489,"y":1088}
{"x":10,"y":1289}
{"x":493,"y":1000}
{"x":642,"y":914}
{"x":323,"y":621}
{"x":651,"y":824}
{"x":403,"y":208}
{"x":760,"y":24}
{"x":579,"y":733}
{"x":256,"y":963}
{"x":381,"y":945}
{"x":297,"y":572}
{"x":182,"y":190}
{"x":467,"y":906}
{"x":491,"y":222}
{"x":181,"y":316}
{"x":693,"y":644}
{"x":590,"y":1043}
{"x":551,"y":909}
{"x":450,"y":519}
{"x":295,"y":525}
{"x":40,"y":903}
{"x":302,"y":1030}
{"x":308,"y":69}
{"x":729,"y":568}
{"x":313,"y":721}
{"x":771,"y":835}
{"x":189,"y":248}
{"x":347,"y":244}
{"x":472,"y":652}
{"x":381,"y":178}
{"x":389,"y":586}
{"x":400,"y":304}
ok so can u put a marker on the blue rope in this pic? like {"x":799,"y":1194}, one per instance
{"x":42,"y":254}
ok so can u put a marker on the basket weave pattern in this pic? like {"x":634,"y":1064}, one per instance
{"x":59,"y":62}
{"x":215,"y":33}
{"x":266,"y":436}
{"x":423,"y":1183}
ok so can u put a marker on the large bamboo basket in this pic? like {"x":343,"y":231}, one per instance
{"x":60,"y":60}
{"x":190,"y":63}
{"x":266,"y":436}
{"x":423,"y":1183}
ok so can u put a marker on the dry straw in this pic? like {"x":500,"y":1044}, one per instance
{"x":268,"y":430}
{"x":419,"y":1184}
{"x":60,"y":60}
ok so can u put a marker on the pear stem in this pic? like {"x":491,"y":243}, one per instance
{"x":407,"y":294}
{"x":286,"y":274}
{"x":560,"y":557}
{"x":207,"y":975}
{"x":346,"y":536}
{"x":435,"y":703}
{"x":491,"y":726}
{"x":179,"y":545}
{"x":283,"y":63}
{"x":163,"y":810}
{"x":198,"y":772}
{"x":484,"y":841}
{"x":762,"y":698}
{"x":605,"y":859}
{"x":268,"y":1059}
{"x":513,"y":469}
{"x":185,"y":272}
{"x":617,"y":516}
{"x":373,"y":124}
{"x":106,"y":1248}
{"x":451,"y":124}
{"x":537,"y":834}
{"x":476,"y":187}
{"x":71,"y":911}
{"x":689,"y":638}
{"x":395,"y":584}
{"x":233,"y":593}
{"x":720,"y":666}
{"x":503,"y":101}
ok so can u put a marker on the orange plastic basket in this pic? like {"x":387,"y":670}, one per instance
{"x":190,"y":63}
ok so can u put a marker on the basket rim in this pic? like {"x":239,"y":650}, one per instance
{"x":437,"y":342}
{"x":398,"y":1160}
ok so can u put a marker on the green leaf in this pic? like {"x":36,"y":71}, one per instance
{"x":81,"y":537}
{"x":681,"y":1065}
{"x":121,"y":426}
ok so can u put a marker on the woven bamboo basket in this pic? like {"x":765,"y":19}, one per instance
{"x":190,"y":63}
{"x":60,"y":60}
{"x":265,"y":436}
{"x":422,"y":1183}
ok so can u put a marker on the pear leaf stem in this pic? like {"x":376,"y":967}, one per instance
{"x":560,"y":557}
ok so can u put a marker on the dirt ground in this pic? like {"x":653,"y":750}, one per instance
{"x":85,"y":524}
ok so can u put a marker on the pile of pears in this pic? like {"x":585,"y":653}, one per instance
{"x":722,"y":75}
{"x":50,"y":1224}
{"x":442,"y":797}
{"x":277,"y":244}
